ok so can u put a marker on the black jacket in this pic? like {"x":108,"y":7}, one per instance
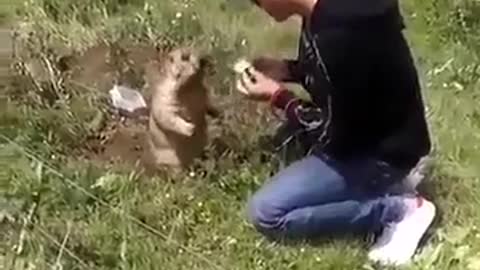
{"x":361,"y":77}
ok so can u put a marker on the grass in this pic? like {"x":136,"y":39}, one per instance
{"x":7,"y":9}
{"x":88,"y":215}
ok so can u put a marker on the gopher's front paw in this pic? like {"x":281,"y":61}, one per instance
{"x":187,"y":129}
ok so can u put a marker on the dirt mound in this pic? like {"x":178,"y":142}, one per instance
{"x":123,"y":140}
{"x":104,"y":65}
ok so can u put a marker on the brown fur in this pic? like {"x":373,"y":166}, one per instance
{"x":177,"y":131}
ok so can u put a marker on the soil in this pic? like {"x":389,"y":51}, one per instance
{"x":123,"y":144}
{"x":123,"y":140}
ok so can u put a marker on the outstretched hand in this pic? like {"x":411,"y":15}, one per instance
{"x":257,"y":86}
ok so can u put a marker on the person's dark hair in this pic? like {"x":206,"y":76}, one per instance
{"x":255,"y":2}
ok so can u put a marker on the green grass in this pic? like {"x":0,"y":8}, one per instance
{"x":7,"y":9}
{"x":197,"y":221}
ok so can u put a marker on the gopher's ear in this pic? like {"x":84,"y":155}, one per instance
{"x":207,"y":65}
{"x":203,"y":63}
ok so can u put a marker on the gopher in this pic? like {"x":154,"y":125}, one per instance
{"x":177,"y":128}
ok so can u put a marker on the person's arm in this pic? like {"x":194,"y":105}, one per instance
{"x":300,"y":113}
{"x":283,"y":70}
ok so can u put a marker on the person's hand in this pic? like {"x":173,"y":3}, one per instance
{"x":273,"y":68}
{"x":256,"y":86}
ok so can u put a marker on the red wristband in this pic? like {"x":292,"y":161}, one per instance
{"x":275,"y":95}
{"x":280,"y":98}
{"x":273,"y":101}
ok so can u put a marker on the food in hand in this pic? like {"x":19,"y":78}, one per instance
{"x":241,"y":66}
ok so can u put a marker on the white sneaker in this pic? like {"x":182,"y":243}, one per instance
{"x":398,"y":242}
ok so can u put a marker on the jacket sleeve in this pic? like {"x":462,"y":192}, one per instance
{"x":294,"y":70}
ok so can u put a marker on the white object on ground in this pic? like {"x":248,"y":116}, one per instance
{"x":399,"y":241}
{"x":125,"y":98}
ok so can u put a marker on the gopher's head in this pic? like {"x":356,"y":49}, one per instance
{"x":184,"y":63}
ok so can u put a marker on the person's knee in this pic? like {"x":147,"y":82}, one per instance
{"x":263,"y":214}
{"x":268,"y":208}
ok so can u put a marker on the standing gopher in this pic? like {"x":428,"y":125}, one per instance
{"x":177,"y":132}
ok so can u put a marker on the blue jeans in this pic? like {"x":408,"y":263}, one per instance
{"x":318,"y":196}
